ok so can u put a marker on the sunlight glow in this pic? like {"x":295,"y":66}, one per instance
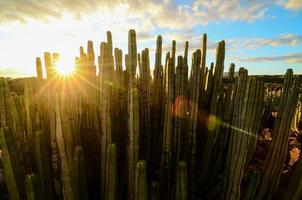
{"x":64,"y":69}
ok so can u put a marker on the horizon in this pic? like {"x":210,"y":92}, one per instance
{"x":263,"y":37}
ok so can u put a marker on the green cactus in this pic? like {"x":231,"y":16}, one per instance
{"x":133,"y":146}
{"x":79,"y":175}
{"x":252,"y":187}
{"x":181,"y":192}
{"x":59,"y":137}
{"x":42,"y":164}
{"x":278,"y":149}
{"x":33,"y":188}
{"x":154,"y":191}
{"x":14,"y":175}
{"x":111,"y":173}
{"x":145,"y":106}
{"x":141,"y":186}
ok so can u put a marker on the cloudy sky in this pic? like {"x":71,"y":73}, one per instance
{"x":263,"y":36}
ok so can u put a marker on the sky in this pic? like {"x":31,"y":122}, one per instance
{"x":263,"y":36}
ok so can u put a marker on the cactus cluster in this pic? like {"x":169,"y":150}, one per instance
{"x":117,"y":131}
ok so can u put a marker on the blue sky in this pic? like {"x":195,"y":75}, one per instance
{"x":263,"y":36}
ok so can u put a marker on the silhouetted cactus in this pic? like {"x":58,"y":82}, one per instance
{"x":133,"y":146}
{"x":42,"y":164}
{"x":111,"y":174}
{"x":33,"y":188}
{"x":252,"y":187}
{"x":79,"y":175}
{"x":141,"y":186}
{"x":278,"y":149}
{"x":39,"y":68}
{"x":181,"y":192}
{"x":14,"y":175}
{"x":82,"y":136}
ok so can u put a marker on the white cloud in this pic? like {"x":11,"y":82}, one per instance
{"x":166,"y":14}
{"x":253,"y":43}
{"x":292,"y":58}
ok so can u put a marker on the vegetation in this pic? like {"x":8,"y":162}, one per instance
{"x":124,"y":133}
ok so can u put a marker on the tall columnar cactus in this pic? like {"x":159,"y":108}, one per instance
{"x":59,"y":138}
{"x":9,"y":117}
{"x":181,"y":191}
{"x":203,"y":64}
{"x":33,"y":188}
{"x":141,"y":186}
{"x":195,"y":80}
{"x":216,"y":85}
{"x":145,"y":106}
{"x":188,"y":131}
{"x":42,"y":165}
{"x":252,"y":186}
{"x":14,"y":174}
{"x":154,"y":191}
{"x":39,"y":68}
{"x":91,"y":77}
{"x":79,"y":179}
{"x":132,"y":58}
{"x":168,"y":128}
{"x":111,"y":174}
{"x":133,"y":146}
{"x":30,"y":111}
{"x":180,"y":110}
{"x":156,"y":109}
{"x":106,"y":67}
{"x":68,"y":135}
{"x":120,"y":120}
{"x":294,"y":188}
{"x":244,"y":125}
{"x":48,"y":65}
{"x":278,"y":149}
{"x":209,"y":82}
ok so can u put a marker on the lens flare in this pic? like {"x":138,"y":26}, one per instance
{"x":64,"y":69}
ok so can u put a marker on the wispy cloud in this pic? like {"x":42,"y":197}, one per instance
{"x":161,"y":13}
{"x":293,"y":58}
{"x":253,"y":43}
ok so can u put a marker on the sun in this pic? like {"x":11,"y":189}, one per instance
{"x":64,"y":69}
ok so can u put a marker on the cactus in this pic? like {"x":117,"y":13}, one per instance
{"x":79,"y":175}
{"x":133,"y":146}
{"x":9,"y":117}
{"x":33,"y":188}
{"x":252,"y":187}
{"x":132,"y":58}
{"x":278,"y":149}
{"x":154,"y":191}
{"x":295,"y":184}
{"x":145,"y":106}
{"x":214,"y":115}
{"x":59,"y":137}
{"x":181,"y":192}
{"x":243,"y":136}
{"x":42,"y":164}
{"x":106,"y":66}
{"x":39,"y":68}
{"x":141,"y":187}
{"x":187,"y":128}
{"x":48,"y":66}
{"x":168,"y":128}
{"x":14,"y":175}
{"x":111,"y":173}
